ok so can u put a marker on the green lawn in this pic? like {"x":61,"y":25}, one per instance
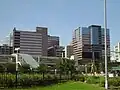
{"x":68,"y":86}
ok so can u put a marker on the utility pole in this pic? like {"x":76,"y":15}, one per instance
{"x":105,"y":37}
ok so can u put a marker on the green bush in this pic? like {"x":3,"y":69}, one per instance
{"x":82,"y":78}
{"x":114,"y":81}
{"x":102,"y":81}
{"x":93,"y":80}
{"x":36,"y":79}
{"x":26,"y":80}
{"x":78,"y":78}
{"x":7,"y":80}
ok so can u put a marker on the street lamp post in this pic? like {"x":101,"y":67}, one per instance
{"x":105,"y":36}
{"x":10,"y":38}
{"x":17,"y":57}
{"x":17,"y":49}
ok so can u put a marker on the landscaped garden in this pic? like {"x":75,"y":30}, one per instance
{"x":68,"y":86}
{"x":46,"y":78}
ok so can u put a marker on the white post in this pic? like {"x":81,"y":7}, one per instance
{"x":10,"y":39}
{"x":105,"y":36}
{"x":55,"y":72}
{"x":62,"y":55}
{"x":86,"y":69}
{"x":17,"y":61}
{"x":17,"y":57}
{"x":38,"y":59}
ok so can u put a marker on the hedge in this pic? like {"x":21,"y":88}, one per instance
{"x":112,"y":82}
{"x":28,"y":80}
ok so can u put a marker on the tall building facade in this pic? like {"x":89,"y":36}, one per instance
{"x":81,"y":42}
{"x":69,"y":51}
{"x":36,"y":43}
{"x":115,"y":54}
{"x":54,"y":49}
{"x":89,"y":41}
{"x":6,"y":50}
{"x":53,"y":41}
{"x":33,"y":43}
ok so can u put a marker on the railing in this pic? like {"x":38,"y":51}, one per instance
{"x":31,"y":78}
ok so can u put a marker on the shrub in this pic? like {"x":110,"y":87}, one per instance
{"x":26,"y":80}
{"x":78,"y":78}
{"x":102,"y":82}
{"x":114,"y":81}
{"x":93,"y":80}
{"x":82,"y":78}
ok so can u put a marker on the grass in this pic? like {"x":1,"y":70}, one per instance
{"x":68,"y":86}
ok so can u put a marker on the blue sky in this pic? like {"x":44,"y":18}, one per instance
{"x":60,"y":16}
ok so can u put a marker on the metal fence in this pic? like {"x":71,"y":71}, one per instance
{"x":31,"y":78}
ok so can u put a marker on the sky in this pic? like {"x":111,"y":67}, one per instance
{"x":60,"y":16}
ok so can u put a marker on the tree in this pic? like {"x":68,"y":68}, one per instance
{"x":66,"y":66}
{"x":2,"y":68}
{"x":42,"y":68}
{"x":70,"y":66}
{"x":11,"y":67}
{"x":25,"y":68}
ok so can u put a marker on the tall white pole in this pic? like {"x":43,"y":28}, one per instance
{"x":105,"y":36}
{"x":10,"y":39}
{"x":17,"y":61}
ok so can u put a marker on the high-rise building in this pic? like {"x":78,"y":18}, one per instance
{"x":35,"y":43}
{"x":88,"y":42}
{"x":31,"y":42}
{"x":81,"y":42}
